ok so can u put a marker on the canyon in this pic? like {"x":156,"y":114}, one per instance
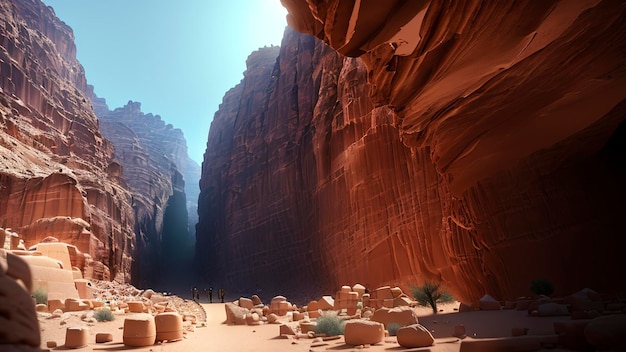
{"x":110,"y":183}
{"x":478,"y":144}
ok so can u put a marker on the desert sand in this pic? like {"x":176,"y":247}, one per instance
{"x":215,"y":335}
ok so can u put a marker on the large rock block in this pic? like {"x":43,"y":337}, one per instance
{"x":400,"y":315}
{"x":415,"y":335}
{"x":19,"y":326}
{"x":139,"y":330}
{"x":607,"y":332}
{"x":235,"y":314}
{"x":169,"y":326}
{"x":362,"y":332}
{"x":76,"y":337}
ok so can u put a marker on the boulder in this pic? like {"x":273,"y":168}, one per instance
{"x":286,"y":330}
{"x":272,"y":318}
{"x":169,"y":326}
{"x":607,"y":332}
{"x":360,"y":289}
{"x":139,"y":330}
{"x":103,"y":337}
{"x":464,"y":307}
{"x":246,"y":303}
{"x":363,"y":332}
{"x":256,"y":300}
{"x":400,"y":315}
{"x":488,"y":303}
{"x":253,"y":319}
{"x":76,"y":337}
{"x":571,"y":334}
{"x":326,"y":303}
{"x":235,"y":315}
{"x":552,"y":310}
{"x":415,"y":335}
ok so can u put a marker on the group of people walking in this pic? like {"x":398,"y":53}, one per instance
{"x":195,"y":294}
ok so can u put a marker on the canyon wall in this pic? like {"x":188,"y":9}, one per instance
{"x":154,"y":156}
{"x":57,"y":172}
{"x":481,"y":144}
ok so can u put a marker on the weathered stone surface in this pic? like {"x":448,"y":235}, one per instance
{"x":400,"y":315}
{"x":20,"y":326}
{"x":361,"y":332}
{"x":491,"y":135}
{"x":607,"y":332}
{"x":55,"y":165}
{"x":414,"y":335}
{"x":154,"y":158}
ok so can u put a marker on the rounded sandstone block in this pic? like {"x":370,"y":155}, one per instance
{"x":135,"y":306}
{"x":42,"y":308}
{"x":363,"y":332}
{"x":76,"y":337}
{"x":169,"y":326}
{"x":103,"y":337}
{"x":414,"y":336}
{"x":51,"y":344}
{"x":139,"y":331}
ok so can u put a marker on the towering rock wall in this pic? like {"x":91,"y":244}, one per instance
{"x":55,"y":166}
{"x":153,"y":156}
{"x":478,"y":143}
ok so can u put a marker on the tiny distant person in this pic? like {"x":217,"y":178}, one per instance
{"x":210,"y":294}
{"x":220,"y":292}
{"x":195,"y":295}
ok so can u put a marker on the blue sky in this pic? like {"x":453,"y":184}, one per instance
{"x":177,"y":58}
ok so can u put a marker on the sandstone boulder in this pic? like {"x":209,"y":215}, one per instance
{"x":488,"y":303}
{"x":76,"y":337}
{"x":401,"y":315}
{"x":139,"y":330}
{"x":607,"y":332}
{"x":362,"y":332}
{"x":235,"y":315}
{"x":415,"y":335}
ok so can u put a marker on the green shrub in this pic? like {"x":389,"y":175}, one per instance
{"x":330,"y":324}
{"x":40,"y":295}
{"x":359,"y":305}
{"x":430,"y":293}
{"x":542,"y":287}
{"x":393,"y":328}
{"x":103,"y":315}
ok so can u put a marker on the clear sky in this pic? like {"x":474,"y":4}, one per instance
{"x":177,"y":58}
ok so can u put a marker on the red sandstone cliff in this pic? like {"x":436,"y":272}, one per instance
{"x":154,"y":158}
{"x":57,"y":174}
{"x":481,"y":144}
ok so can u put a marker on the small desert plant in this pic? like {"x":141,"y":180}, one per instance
{"x":330,"y":324}
{"x":359,"y":305}
{"x":430,"y":293}
{"x":40,"y":295}
{"x":542,"y":287}
{"x":103,"y":315}
{"x":393,"y":328}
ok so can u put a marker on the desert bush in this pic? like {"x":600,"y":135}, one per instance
{"x":330,"y":324}
{"x":103,"y":315}
{"x":40,"y":295}
{"x":542,"y":287}
{"x":430,"y":293}
{"x":393,"y":328}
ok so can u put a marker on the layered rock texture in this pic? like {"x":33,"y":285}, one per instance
{"x":154,"y":157}
{"x":57,"y":172}
{"x":481,"y":144}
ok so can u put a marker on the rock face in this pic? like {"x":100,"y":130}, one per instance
{"x":153,"y":156}
{"x":483,"y":146}
{"x":54,"y":162}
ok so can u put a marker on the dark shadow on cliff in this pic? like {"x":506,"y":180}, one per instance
{"x":175,"y":272}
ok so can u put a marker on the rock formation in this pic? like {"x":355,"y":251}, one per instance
{"x":55,"y":165}
{"x":153,"y":156}
{"x":481,"y":144}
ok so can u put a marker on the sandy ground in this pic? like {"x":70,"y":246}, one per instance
{"x":217,"y":336}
